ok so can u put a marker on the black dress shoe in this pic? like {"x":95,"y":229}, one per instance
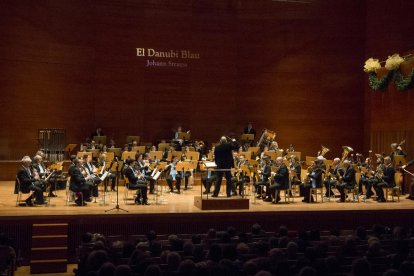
{"x":88,"y":199}
{"x":268,"y":199}
{"x":29,"y":202}
{"x":39,"y":202}
{"x":79,"y":202}
{"x":381,"y":200}
{"x":214,"y":196}
{"x":138,"y":201}
{"x":206,"y":193}
{"x":145,"y":202}
{"x":51,"y":195}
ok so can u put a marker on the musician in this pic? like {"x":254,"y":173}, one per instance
{"x":314,"y":180}
{"x":42,"y":171}
{"x":241,"y":178}
{"x":396,"y":150}
{"x":365,"y":176}
{"x":331,"y":180}
{"x":91,"y":171}
{"x":224,"y":159}
{"x":386,"y":179}
{"x":97,"y":132}
{"x":30,"y":181}
{"x":348,"y":180}
{"x":146,"y":169}
{"x":185,"y":174}
{"x":110,"y":177}
{"x":296,"y":171}
{"x":281,"y":180}
{"x":208,"y":181}
{"x":79,"y":183}
{"x":136,"y":182}
{"x":410,"y":196}
{"x":173,"y":176}
{"x":250,"y":130}
{"x":374,"y":180}
{"x":264,"y":174}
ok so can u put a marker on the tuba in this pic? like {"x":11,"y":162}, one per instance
{"x":324,"y":150}
{"x":345,"y":153}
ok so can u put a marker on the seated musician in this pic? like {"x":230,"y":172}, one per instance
{"x":386,"y":179}
{"x":110,"y":177}
{"x":274,"y":146}
{"x":365,"y":175}
{"x":30,"y":181}
{"x":173,"y":176}
{"x":185,"y":175}
{"x":314,"y":180}
{"x":295,"y":171}
{"x":331,"y":178}
{"x":208,"y":181}
{"x":42,"y":171}
{"x":146,"y":169}
{"x":280,"y":179}
{"x":79,"y":183}
{"x":264,"y":174}
{"x":97,"y":132}
{"x":241,"y":177}
{"x":92,"y":172}
{"x":374,"y":179}
{"x":347,"y":181}
{"x":136,"y":182}
{"x":396,"y":150}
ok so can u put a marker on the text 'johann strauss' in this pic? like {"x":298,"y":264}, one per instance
{"x":150,"y":52}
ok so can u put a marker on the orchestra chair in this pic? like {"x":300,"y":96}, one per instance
{"x":20,"y":193}
{"x":126,"y":191}
{"x":70,"y":195}
{"x":354,"y":192}
{"x":315,"y":191}
{"x":391,"y":192}
{"x":286,"y":192}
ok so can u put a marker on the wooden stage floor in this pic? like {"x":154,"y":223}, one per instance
{"x":176,"y":203}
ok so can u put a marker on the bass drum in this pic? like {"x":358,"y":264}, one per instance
{"x":266,"y":138}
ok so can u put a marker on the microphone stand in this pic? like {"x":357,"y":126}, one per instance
{"x":117,"y":193}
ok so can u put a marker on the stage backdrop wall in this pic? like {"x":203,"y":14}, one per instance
{"x":294,"y":68}
{"x":389,"y":116}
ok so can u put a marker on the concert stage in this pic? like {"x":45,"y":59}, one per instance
{"x":176,"y":213}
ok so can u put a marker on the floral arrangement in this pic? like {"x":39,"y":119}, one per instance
{"x":392,"y":65}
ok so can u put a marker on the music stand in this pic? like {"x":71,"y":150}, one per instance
{"x":184,"y":136}
{"x":118,"y":169}
{"x":247,"y":137}
{"x":155,"y":155}
{"x":193,"y":155}
{"x":110,"y":156}
{"x":116,"y":151}
{"x":163,"y":146}
{"x":245,"y":171}
{"x":247,"y":155}
{"x":254,"y":150}
{"x":81,"y":154}
{"x":174,"y":153}
{"x":131,"y":138}
{"x":271,"y":154}
{"x":295,"y":153}
{"x":95,"y":152}
{"x":309,"y":160}
{"x":126,"y":154}
{"x":139,"y":149}
{"x":208,"y":166}
{"x":69,"y":148}
{"x":100,"y":139}
{"x":161,"y":168}
{"x":399,"y":160}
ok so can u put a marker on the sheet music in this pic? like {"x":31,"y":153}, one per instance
{"x":102,"y":177}
{"x":156,"y":176}
{"x":210,"y":164}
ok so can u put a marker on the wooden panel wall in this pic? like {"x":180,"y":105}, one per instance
{"x":290,"y":67}
{"x":389,"y":116}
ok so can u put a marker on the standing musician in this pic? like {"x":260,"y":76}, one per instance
{"x":91,"y":171}
{"x":173,"y":176}
{"x":410,"y":196}
{"x":314,"y":180}
{"x":224,"y":159}
{"x":348,"y":180}
{"x":240,"y":177}
{"x":250,"y":130}
{"x":136,"y":182}
{"x":295,"y":171}
{"x":30,"y":181}
{"x":281,"y":180}
{"x":42,"y":171}
{"x":79,"y":183}
{"x":386,"y":179}
{"x":333,"y":174}
{"x":374,"y":178}
{"x":111,"y":177}
{"x":264,"y":174}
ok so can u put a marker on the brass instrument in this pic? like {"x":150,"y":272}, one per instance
{"x":266,"y":138}
{"x":345,"y":153}
{"x":324,"y":150}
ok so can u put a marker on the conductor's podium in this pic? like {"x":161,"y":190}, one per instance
{"x":221,"y":203}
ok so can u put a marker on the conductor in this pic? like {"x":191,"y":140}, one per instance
{"x":224,"y":159}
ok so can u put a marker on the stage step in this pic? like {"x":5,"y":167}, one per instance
{"x":49,"y":250}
